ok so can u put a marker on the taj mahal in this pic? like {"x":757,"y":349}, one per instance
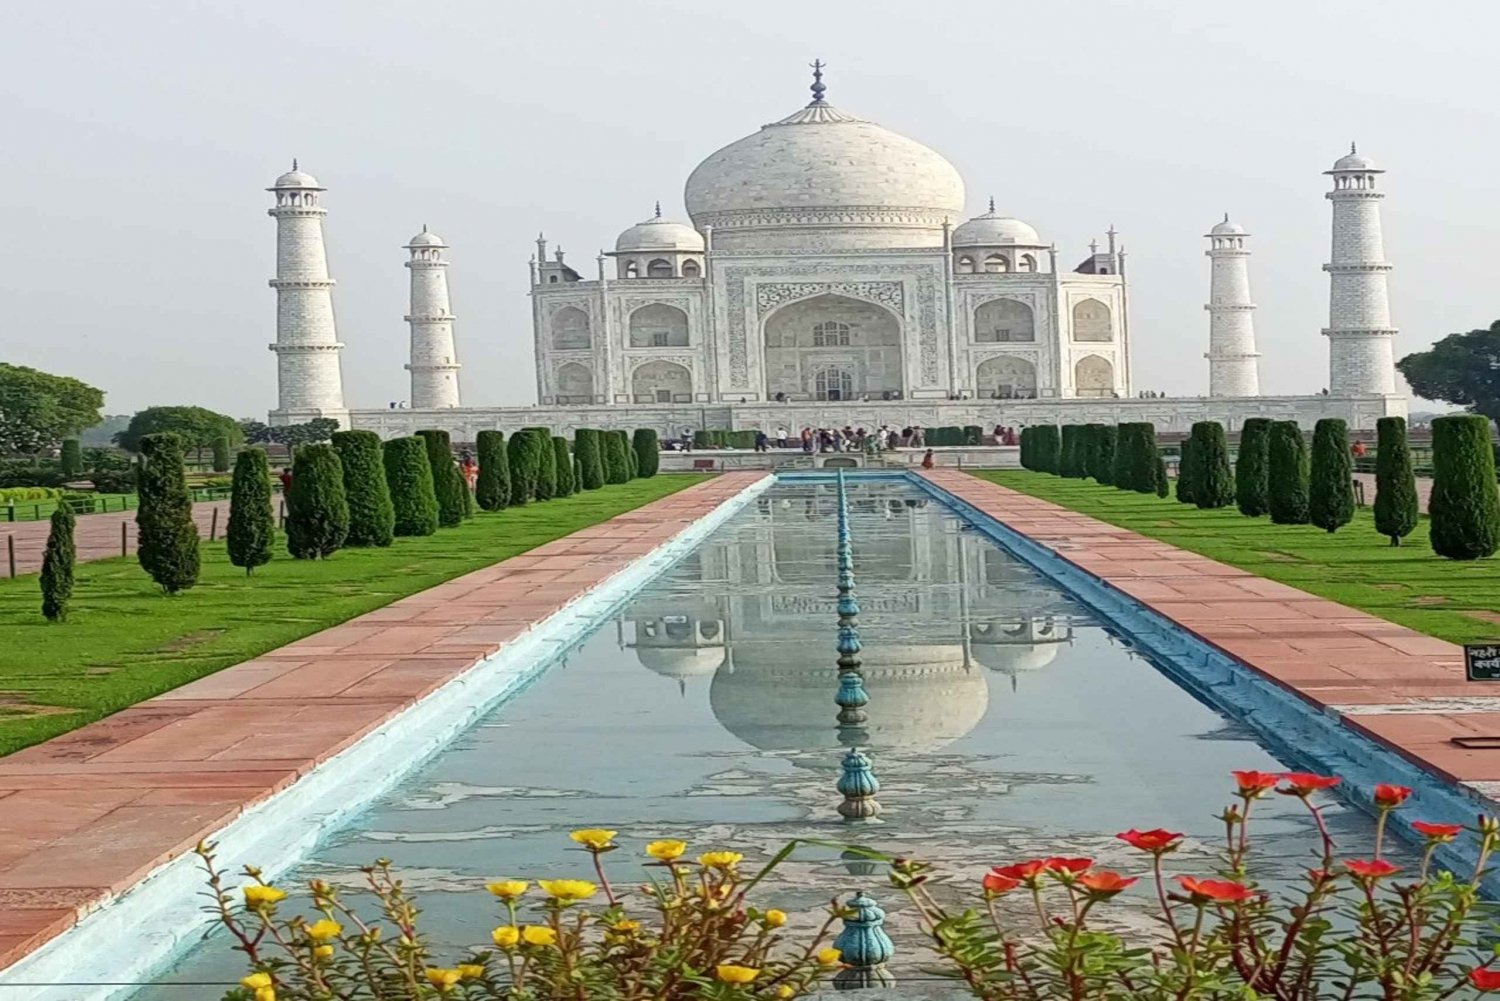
{"x":827,"y":276}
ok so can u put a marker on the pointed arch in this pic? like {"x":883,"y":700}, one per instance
{"x":574,"y":383}
{"x":658,"y":325}
{"x":661,"y":382}
{"x":1094,"y":376}
{"x":570,"y":329}
{"x":1004,"y":320}
{"x":1092,"y":321}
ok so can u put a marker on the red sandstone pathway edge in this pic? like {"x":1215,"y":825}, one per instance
{"x":1397,"y":686}
{"x":90,"y":813}
{"x":97,"y":536}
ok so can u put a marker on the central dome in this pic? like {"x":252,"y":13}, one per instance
{"x":824,"y":180}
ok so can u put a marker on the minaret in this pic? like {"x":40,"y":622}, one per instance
{"x":434,"y":362}
{"x":1359,"y":332}
{"x":308,"y":381}
{"x":1231,"y":324}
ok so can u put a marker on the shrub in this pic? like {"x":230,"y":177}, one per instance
{"x":973,"y":434}
{"x":1213,"y":483}
{"x":1102,"y":454}
{"x":167,"y":546}
{"x":114,"y":482}
{"x":524,"y":453}
{"x":1161,"y":475}
{"x":589,"y":451}
{"x":546,"y":465}
{"x":78,"y":503}
{"x":447,"y":481}
{"x":563,"y":462}
{"x":647,"y":452}
{"x":317,"y":509}
{"x":1070,"y":459}
{"x":1251,"y":472}
{"x":1286,"y":474}
{"x":70,"y":462}
{"x":1138,"y":462}
{"x":1330,"y":488}
{"x":408,"y":474}
{"x":1028,"y":441}
{"x":372,"y":518}
{"x":631,"y":462}
{"x":616,"y":465}
{"x":741,"y":439}
{"x":493,"y":489}
{"x":17,"y":495}
{"x":252,"y":523}
{"x":1464,"y":509}
{"x":57,"y":565}
{"x":1396,"y":508}
{"x":221,"y":454}
{"x":1046,"y":447}
{"x":701,"y":439}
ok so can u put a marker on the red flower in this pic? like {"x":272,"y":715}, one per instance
{"x":1155,"y":841}
{"x":1390,"y":796}
{"x":1316,"y":876}
{"x":1304,"y":784}
{"x":1372,"y":869}
{"x":998,"y":884}
{"x":1220,"y":891}
{"x":1021,"y":872}
{"x":1437,"y":832}
{"x":1105,"y":883}
{"x":1485,"y":978}
{"x":1067,"y":866}
{"x":1254,"y":785}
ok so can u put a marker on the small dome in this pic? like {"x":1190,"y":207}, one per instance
{"x":295,"y":178}
{"x":1354,"y":160}
{"x":990,"y":230}
{"x":426,"y":239}
{"x":660,"y":234}
{"x":1227,"y":228}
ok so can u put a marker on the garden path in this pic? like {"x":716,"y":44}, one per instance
{"x":97,"y":536}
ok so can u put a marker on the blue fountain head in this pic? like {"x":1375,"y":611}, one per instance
{"x":863,"y":942}
{"x":851,"y":694}
{"x":858,"y":778}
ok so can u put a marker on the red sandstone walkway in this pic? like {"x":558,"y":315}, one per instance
{"x":97,"y":535}
{"x":1424,"y":489}
{"x":1400,"y":687}
{"x":90,"y":813}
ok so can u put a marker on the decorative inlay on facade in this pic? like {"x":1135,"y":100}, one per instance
{"x":774,"y":294}
{"x":849,"y":215}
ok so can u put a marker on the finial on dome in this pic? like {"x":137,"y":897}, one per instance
{"x":992,"y":204}
{"x":818,"y":88}
{"x":1226,"y":216}
{"x":658,"y":210}
{"x":294,"y":163}
{"x":424,"y":227}
{"x":1352,"y":148}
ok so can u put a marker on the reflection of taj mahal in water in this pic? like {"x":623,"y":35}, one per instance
{"x":943,"y":611}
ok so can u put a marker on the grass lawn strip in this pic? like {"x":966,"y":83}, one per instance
{"x":1355,"y":566}
{"x":124,"y":641}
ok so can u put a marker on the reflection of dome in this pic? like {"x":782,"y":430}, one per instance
{"x":1013,"y":658}
{"x":991,"y":230}
{"x":921,"y":697}
{"x":681,"y":662}
{"x":660,"y":234}
{"x":1012,"y":647}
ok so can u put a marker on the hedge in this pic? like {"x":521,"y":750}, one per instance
{"x":740,"y":439}
{"x":1330,"y":487}
{"x":1286,"y":474}
{"x":57,"y":565}
{"x":317,"y":509}
{"x":70,"y":461}
{"x":1070,"y":461}
{"x":252,"y":523}
{"x":15,"y":495}
{"x":408,"y":474}
{"x":492,"y":491}
{"x":447,"y":481}
{"x":167,"y":546}
{"x":1464,"y":509}
{"x":1396,"y":509}
{"x":1028,"y":443}
{"x":525,"y":455}
{"x":701,"y":439}
{"x":647,"y":452}
{"x":1102,"y":453}
{"x":588,"y":450}
{"x":372,"y":519}
{"x":1213,"y":482}
{"x":1251,"y":472}
{"x":562,"y":464}
{"x":1047,"y":448}
{"x":616,"y":463}
{"x":973,"y":434}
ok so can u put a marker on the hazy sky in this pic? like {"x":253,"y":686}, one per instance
{"x":140,"y":137}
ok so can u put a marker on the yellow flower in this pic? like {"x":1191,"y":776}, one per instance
{"x":567,"y":889}
{"x":786,"y":991}
{"x":321,"y":931}
{"x":506,"y":936}
{"x":538,"y":935}
{"x":442,"y":979}
{"x":775,"y":918}
{"x":507,"y":889}
{"x":625,"y":926}
{"x":256,"y":981}
{"x":828,"y":957}
{"x":259,"y":895}
{"x":731,"y":974}
{"x":323,"y":951}
{"x":265,"y":994}
{"x":470,"y":971}
{"x":594,"y":838}
{"x":666,"y":851}
{"x":720,"y":860}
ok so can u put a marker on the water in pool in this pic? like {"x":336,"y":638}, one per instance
{"x":1005,"y":722}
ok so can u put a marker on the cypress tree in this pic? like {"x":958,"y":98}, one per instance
{"x":1025,"y":450}
{"x":168,"y":537}
{"x":447,"y":481}
{"x":1143,"y":461}
{"x":372,"y":519}
{"x":1251,"y":474}
{"x":1286,"y":474}
{"x":221,"y":454}
{"x":1186,"y":472}
{"x":1160,"y":476}
{"x":1330,"y":487}
{"x":1070,"y":458}
{"x":408,"y":474}
{"x":252,"y":523}
{"x":525,"y":463}
{"x":632,"y":464}
{"x":1123,"y":474}
{"x":1395,"y":484}
{"x":563,"y":461}
{"x":546,"y":467}
{"x":1213,"y":482}
{"x":589,"y":451}
{"x":57,"y":565}
{"x":317,"y":509}
{"x":1048,"y":445}
{"x":70,"y":461}
{"x":647,"y":452}
{"x":616,"y":466}
{"x":1104,"y":453}
{"x":493,"y":489}
{"x":1464,"y":510}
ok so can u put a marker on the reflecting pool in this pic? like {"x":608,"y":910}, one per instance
{"x":1005,"y":722}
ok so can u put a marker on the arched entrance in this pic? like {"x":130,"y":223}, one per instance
{"x":1005,"y":378}
{"x":1094,"y":376}
{"x":658,"y":326}
{"x":857,"y":340}
{"x":574,"y":384}
{"x":661,"y":382}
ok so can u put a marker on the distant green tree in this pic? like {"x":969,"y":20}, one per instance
{"x":317,"y":509}
{"x":70,"y":461}
{"x":372,"y":516}
{"x":647,"y":452}
{"x":446,"y":478}
{"x":408,"y":473}
{"x":1286,"y":473}
{"x":167,"y":536}
{"x":1464,"y":509}
{"x":1330,"y":486}
{"x":562,"y":461}
{"x":589,"y":450}
{"x":1460,"y":369}
{"x":197,"y":427}
{"x":57,"y":565}
{"x":1396,"y":510}
{"x":1213,"y":482}
{"x":493,"y":489}
{"x":38,"y":410}
{"x":1252,"y":481}
{"x":221,"y":454}
{"x":252,"y":523}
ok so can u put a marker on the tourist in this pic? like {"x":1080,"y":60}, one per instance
{"x":470,"y":469}
{"x":781,"y":437}
{"x":927,"y":461}
{"x":1358,"y":449}
{"x":762,"y":442}
{"x":286,"y":480}
{"x":807,"y":440}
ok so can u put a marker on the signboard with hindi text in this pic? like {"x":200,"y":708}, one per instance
{"x":1482,"y":661}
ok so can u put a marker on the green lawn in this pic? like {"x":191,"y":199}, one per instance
{"x":1453,"y":600}
{"x":124,"y":641}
